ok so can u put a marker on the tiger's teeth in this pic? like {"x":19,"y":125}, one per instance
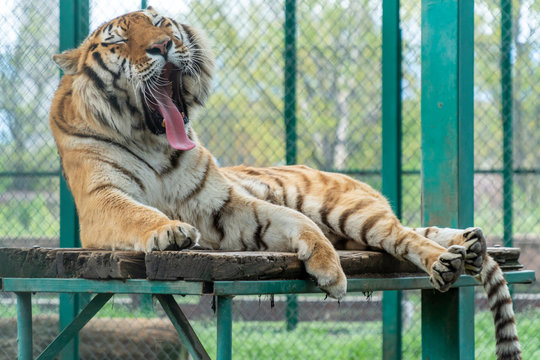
{"x":163,"y":123}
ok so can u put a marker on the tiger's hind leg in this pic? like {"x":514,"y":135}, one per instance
{"x":377,"y":227}
{"x":471,"y":238}
{"x":344,"y":208}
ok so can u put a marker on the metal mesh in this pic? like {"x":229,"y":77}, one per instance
{"x":338,"y":114}
{"x":491,"y":79}
{"x":28,"y":195}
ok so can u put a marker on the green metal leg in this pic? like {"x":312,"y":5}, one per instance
{"x":448,"y":324}
{"x":182,"y":326}
{"x":146,"y":302}
{"x":76,"y":325}
{"x":69,"y":308}
{"x":391,"y":305}
{"x":291,"y":312}
{"x":24,"y":325}
{"x":224,"y":327}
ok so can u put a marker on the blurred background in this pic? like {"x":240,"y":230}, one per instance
{"x":338,"y":114}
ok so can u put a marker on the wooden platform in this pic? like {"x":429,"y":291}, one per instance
{"x":200,"y":265}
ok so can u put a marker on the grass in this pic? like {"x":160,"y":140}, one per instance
{"x":324,"y":340}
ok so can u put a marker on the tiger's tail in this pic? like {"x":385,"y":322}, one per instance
{"x":500,"y":304}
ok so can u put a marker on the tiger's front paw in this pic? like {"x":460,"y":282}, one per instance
{"x":475,"y":250}
{"x":447,"y":269}
{"x":175,"y":234}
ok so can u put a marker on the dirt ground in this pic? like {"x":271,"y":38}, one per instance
{"x":103,"y":338}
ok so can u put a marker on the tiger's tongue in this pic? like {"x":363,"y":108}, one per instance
{"x":174,"y":122}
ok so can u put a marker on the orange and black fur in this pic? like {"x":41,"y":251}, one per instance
{"x":141,"y":180}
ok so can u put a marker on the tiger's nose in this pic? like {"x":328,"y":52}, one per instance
{"x":160,"y":48}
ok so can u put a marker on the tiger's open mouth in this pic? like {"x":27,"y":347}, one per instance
{"x":165,"y":109}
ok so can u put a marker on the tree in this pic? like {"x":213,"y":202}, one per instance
{"x":28,"y":79}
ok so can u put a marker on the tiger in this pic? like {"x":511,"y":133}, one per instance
{"x":141,"y":180}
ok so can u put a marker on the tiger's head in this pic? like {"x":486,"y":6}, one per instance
{"x":141,"y":72}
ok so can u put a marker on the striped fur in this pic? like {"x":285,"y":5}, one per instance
{"x":133,"y":190}
{"x":489,"y":274}
{"x":500,"y":303}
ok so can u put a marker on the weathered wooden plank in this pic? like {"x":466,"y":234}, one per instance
{"x":218,"y":265}
{"x":221,"y":265}
{"x":27,"y":262}
{"x":197,"y":265}
{"x":71,"y":263}
{"x":101,"y":264}
{"x":506,"y":257}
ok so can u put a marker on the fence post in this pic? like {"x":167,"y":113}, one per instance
{"x":391,"y":159}
{"x":507,"y":119}
{"x":289,"y":101}
{"x":73,"y":29}
{"x":447,"y":162}
{"x":289,"y":115}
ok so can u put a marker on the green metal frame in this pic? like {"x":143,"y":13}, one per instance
{"x":24,"y":325}
{"x":74,"y":27}
{"x":227,"y":288}
{"x":447,"y":161}
{"x":182,"y":326}
{"x":391,"y":159}
{"x":507,"y":120}
{"x":223,"y":290}
{"x":71,"y":331}
{"x":289,"y":117}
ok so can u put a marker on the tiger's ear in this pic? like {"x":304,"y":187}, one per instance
{"x":68,"y":60}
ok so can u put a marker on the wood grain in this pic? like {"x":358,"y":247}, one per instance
{"x":199,"y":265}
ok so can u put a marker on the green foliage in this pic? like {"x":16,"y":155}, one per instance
{"x":35,"y":215}
{"x":27,"y":79}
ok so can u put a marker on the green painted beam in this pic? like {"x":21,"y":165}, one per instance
{"x":440,"y":309}
{"x":24,"y":325}
{"x":289,"y":97}
{"x":28,"y":173}
{"x":392,"y":325}
{"x":224,"y":327}
{"x":507,"y":120}
{"x":391,"y":105}
{"x":447,"y":112}
{"x":70,"y":331}
{"x":247,"y":287}
{"x":291,"y":312}
{"x":182,"y":326}
{"x":130,"y":286}
{"x":74,"y":25}
{"x":447,"y":161}
{"x":289,"y":116}
{"x":391,"y":159}
{"x":353,"y":285}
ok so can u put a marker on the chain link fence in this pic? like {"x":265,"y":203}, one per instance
{"x":338,"y":114}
